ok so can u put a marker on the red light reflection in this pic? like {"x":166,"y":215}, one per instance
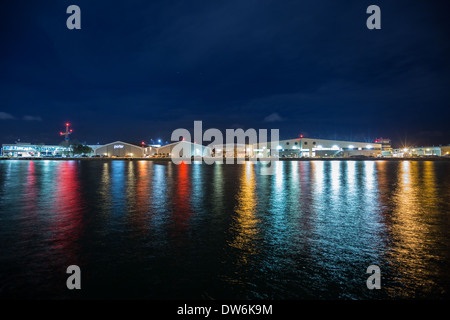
{"x":69,"y":205}
{"x":182,"y":209}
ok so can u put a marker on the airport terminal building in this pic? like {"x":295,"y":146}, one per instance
{"x":300,"y":148}
{"x":24,"y":149}
{"x":310,"y":148}
{"x":183,"y":149}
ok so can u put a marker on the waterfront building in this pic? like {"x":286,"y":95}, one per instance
{"x":24,"y":149}
{"x":386,"y":148}
{"x":426,"y":151}
{"x":311,"y":147}
{"x":445,"y":151}
{"x":232,"y":150}
{"x":187,"y":149}
{"x":122,"y":149}
{"x":417,"y":152}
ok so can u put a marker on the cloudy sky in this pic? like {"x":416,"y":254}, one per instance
{"x":140,"y":69}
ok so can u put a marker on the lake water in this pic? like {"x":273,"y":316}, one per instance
{"x":156,"y":230}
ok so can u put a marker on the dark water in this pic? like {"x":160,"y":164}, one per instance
{"x":142,"y":229}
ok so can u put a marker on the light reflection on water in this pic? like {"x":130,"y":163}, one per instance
{"x":244,"y":225}
{"x":143,"y":229}
{"x":418,"y":229}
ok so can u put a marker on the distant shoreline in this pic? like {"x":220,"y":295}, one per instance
{"x":224,"y":159}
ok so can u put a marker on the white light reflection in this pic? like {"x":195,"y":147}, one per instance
{"x":197,"y":184}
{"x":351,"y":177}
{"x":335,"y":178}
{"x":369,"y":176}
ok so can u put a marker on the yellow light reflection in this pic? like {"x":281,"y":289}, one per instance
{"x":414,"y":226}
{"x":138,"y":191}
{"x":245,"y":222}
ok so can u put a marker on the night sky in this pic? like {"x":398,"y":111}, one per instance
{"x":141,"y":69}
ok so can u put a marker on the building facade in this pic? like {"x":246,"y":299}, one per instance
{"x":122,"y":149}
{"x":310,"y":147}
{"x":417,"y":152}
{"x":183,"y":149}
{"x":235,"y":150}
{"x":445,"y":151}
{"x":386,"y":148}
{"x":23,"y":149}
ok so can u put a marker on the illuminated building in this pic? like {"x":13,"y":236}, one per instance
{"x":309,"y":147}
{"x":187,"y":149}
{"x":122,"y":149}
{"x":231,"y":150}
{"x":23,"y":149}
{"x":421,"y":151}
{"x":445,"y":151}
{"x":386,"y":148}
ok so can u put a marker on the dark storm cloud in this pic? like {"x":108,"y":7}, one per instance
{"x":138,"y":69}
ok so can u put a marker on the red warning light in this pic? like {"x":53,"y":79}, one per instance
{"x":301,"y":136}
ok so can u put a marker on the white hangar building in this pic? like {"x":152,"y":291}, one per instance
{"x":122,"y":149}
{"x":310,"y":147}
{"x":183,"y":149}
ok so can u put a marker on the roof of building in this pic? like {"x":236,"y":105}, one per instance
{"x":123,"y":142}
